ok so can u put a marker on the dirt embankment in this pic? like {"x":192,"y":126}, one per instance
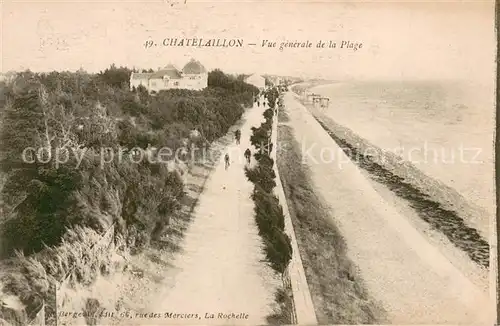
{"x":337,"y":290}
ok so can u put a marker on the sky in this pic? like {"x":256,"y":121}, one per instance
{"x":401,"y":40}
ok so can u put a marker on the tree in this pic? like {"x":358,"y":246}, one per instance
{"x":115,"y":77}
{"x":39,"y":190}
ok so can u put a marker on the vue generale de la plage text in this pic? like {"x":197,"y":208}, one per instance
{"x":265,"y":43}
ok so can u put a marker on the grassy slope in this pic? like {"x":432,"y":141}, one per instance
{"x":337,"y":291}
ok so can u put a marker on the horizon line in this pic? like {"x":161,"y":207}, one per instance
{"x":305,"y":77}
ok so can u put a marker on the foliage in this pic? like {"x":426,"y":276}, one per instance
{"x":116,"y":77}
{"x":81,"y":257}
{"x":272,"y":95}
{"x":268,"y":211}
{"x":283,"y":312}
{"x":263,"y":174}
{"x":82,"y":114}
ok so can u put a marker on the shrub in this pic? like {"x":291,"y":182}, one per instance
{"x":80,"y":257}
{"x":86,"y":112}
{"x":268,"y":211}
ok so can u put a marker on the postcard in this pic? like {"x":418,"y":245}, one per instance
{"x":247,"y":163}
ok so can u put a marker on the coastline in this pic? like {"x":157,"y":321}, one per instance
{"x":425,"y":178}
{"x":376,"y":231}
{"x":446,"y":198}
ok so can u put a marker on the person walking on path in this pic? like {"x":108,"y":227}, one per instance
{"x":226,"y":160}
{"x":248,"y":155}
{"x":237,"y":136}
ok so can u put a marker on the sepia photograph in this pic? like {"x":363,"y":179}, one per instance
{"x":259,"y":162}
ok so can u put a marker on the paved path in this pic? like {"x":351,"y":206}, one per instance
{"x":413,"y":281}
{"x":221,"y":269}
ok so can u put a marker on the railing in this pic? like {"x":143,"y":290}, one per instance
{"x":41,"y":317}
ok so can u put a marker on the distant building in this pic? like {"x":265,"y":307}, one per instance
{"x":193,"y":76}
{"x":256,"y":80}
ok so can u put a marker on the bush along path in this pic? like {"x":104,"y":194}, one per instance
{"x":269,"y":214}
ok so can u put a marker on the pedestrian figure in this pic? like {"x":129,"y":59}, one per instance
{"x":226,"y":159}
{"x":237,"y":136}
{"x":248,"y":155}
{"x":258,"y":103}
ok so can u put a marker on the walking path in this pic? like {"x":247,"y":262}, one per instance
{"x":414,"y":281}
{"x":220,"y":269}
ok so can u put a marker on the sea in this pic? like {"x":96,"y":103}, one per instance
{"x":444,"y":128}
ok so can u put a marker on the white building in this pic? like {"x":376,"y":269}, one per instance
{"x":193,"y":76}
{"x":256,"y":80}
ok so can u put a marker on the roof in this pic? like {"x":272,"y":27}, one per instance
{"x":169,"y":71}
{"x":194,"y":67}
{"x":254,"y":78}
{"x":170,"y":67}
{"x":137,"y":75}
